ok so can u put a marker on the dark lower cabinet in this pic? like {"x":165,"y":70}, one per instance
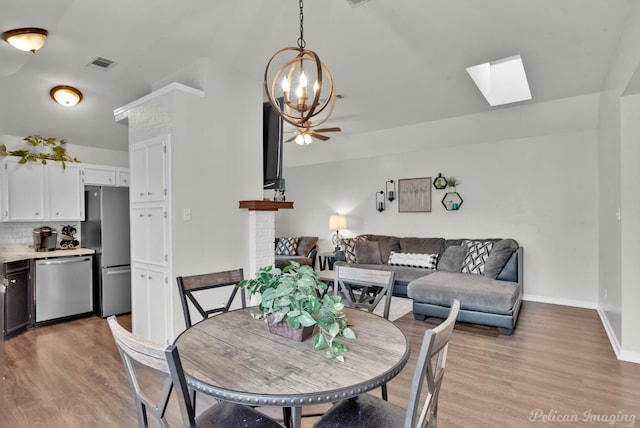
{"x":16,"y":298}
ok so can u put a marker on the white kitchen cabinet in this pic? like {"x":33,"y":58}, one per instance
{"x":148,"y":235}
{"x":123,"y":177}
{"x":36,"y":192}
{"x":22,"y":191}
{"x":148,"y":166}
{"x":99,"y":175}
{"x":104,"y":175}
{"x":150,"y":297}
{"x":66,"y":193}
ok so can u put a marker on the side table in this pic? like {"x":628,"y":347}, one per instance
{"x":326,"y":260}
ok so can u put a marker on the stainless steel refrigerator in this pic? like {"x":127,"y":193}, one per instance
{"x":106,"y":230}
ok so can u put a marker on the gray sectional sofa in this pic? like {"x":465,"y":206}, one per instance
{"x":486,"y":275}
{"x":303,"y":249}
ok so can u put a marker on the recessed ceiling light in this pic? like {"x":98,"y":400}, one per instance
{"x":502,"y":81}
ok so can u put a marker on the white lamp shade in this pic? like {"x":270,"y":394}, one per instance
{"x":338,"y":222}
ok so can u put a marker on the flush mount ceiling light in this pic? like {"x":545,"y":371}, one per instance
{"x":503,"y":81}
{"x":26,"y":39}
{"x":300,"y":67}
{"x":66,"y":95}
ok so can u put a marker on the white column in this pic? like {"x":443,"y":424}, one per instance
{"x":262,"y":234}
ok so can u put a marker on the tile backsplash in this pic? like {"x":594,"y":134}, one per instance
{"x":22,"y":233}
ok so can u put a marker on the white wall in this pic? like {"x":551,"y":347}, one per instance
{"x":617,"y":163}
{"x":630,"y":223}
{"x":538,"y":190}
{"x":85,"y":154}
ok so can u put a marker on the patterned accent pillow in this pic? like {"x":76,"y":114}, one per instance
{"x":349,"y":247}
{"x":477,"y":255}
{"x":287,"y":247}
{"x":416,"y":260}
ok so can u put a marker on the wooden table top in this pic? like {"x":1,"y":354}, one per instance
{"x":233,"y":357}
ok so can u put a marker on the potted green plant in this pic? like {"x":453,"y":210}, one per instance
{"x":40,"y":149}
{"x":296,"y":296}
{"x":453,"y":182}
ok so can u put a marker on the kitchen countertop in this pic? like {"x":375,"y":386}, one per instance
{"x":15,"y":252}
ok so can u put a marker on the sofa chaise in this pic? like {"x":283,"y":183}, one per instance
{"x":486,"y":275}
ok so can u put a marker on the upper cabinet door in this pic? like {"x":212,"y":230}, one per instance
{"x":99,"y":175}
{"x":66,"y":193}
{"x":22,"y":191}
{"x":147,"y":169}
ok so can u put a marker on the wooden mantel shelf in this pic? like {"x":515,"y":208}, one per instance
{"x":265,"y":205}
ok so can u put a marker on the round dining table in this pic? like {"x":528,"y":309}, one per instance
{"x":233,"y":357}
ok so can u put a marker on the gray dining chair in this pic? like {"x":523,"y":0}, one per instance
{"x":138,"y":354}
{"x":194,"y":286}
{"x":364,"y":289}
{"x":366,"y":410}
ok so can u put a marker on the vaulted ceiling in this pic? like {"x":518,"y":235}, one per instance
{"x":396,"y":62}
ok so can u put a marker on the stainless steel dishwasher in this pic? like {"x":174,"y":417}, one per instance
{"x":63,"y":287}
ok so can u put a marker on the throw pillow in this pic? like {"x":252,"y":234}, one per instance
{"x":452,"y":258}
{"x":286,"y":247}
{"x":417,"y":260}
{"x":349,"y":246}
{"x":477,"y":254}
{"x":368,"y":252}
{"x":499,"y":256}
{"x":306,"y":244}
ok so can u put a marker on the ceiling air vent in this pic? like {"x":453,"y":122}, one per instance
{"x":101,"y":63}
{"x":355,"y":3}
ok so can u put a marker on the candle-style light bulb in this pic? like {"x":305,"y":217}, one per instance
{"x":316,"y":86}
{"x":285,"y":85}
{"x":303,"y":79}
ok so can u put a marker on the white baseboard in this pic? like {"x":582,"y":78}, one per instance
{"x":621,"y":354}
{"x":558,"y":301}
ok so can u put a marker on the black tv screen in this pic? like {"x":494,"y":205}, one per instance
{"x":271,"y":146}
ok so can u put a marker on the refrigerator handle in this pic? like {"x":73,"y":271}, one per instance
{"x":118,"y":272}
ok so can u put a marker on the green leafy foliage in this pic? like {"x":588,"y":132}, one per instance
{"x":57,"y":151}
{"x":297,"y":295}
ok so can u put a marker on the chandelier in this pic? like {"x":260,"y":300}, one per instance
{"x":307,"y":105}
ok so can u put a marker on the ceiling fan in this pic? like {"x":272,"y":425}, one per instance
{"x":305,"y":135}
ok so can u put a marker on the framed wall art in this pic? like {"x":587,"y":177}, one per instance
{"x":414,"y":195}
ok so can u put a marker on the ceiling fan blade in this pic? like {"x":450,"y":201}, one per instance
{"x":320,"y":137}
{"x":327,"y":130}
{"x":290,"y":139}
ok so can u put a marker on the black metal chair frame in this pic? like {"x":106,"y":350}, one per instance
{"x":188,"y":285}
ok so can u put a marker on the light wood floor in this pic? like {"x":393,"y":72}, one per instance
{"x":558,"y":367}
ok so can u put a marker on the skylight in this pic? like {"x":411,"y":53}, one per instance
{"x":502,"y":81}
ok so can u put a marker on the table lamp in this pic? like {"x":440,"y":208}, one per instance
{"x":337,"y":222}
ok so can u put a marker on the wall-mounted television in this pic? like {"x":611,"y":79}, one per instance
{"x":272,"y":125}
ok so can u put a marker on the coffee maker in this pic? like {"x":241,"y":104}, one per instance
{"x":45,"y":238}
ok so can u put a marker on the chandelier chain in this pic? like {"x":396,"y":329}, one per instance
{"x":301,"y":42}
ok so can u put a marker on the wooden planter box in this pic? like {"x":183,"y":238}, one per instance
{"x":284,"y":329}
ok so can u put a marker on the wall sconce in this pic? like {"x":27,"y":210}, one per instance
{"x":391,"y":190}
{"x":67,"y":96}
{"x":380,"y":201}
